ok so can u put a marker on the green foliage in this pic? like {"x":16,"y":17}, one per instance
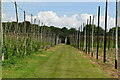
{"x":22,"y":43}
{"x":88,"y":29}
{"x":32,"y":37}
{"x":112,"y":31}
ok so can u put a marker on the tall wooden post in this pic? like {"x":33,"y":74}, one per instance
{"x":81,"y":37}
{"x":78,"y":38}
{"x":1,"y":33}
{"x":89,"y":36}
{"x":38,"y":29}
{"x":66,"y":40}
{"x":92,"y":35}
{"x":109,"y":40}
{"x":113,"y":39}
{"x":84,"y":37}
{"x":41,"y":32}
{"x":16,"y":31}
{"x":38,"y":33}
{"x":55,"y":38}
{"x":117,"y":32}
{"x":25,"y":36}
{"x":50,"y":38}
{"x":1,"y":41}
{"x":105,"y":35}
{"x":34,"y":31}
{"x":31,"y":19}
{"x":116,"y":39}
{"x":98,"y":32}
{"x":31,"y":31}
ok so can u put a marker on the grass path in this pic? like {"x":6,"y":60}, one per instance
{"x":61,"y":61}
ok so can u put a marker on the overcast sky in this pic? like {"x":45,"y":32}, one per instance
{"x":60,"y":14}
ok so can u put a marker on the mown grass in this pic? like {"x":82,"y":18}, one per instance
{"x":61,"y":61}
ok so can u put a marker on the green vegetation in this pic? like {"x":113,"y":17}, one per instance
{"x":26,"y":53}
{"x":28,"y":40}
{"x":61,"y":61}
{"x":21,"y":42}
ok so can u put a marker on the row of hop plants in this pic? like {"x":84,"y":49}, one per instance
{"x":21,"y":45}
{"x":82,"y":42}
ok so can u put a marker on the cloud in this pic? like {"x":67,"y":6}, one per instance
{"x":50,"y":18}
{"x":111,"y":20}
{"x":7,"y":18}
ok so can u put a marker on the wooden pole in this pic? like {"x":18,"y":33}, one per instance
{"x":25,"y":32}
{"x":41,"y":32}
{"x":31,"y":30}
{"x":98,"y":32}
{"x":49,"y":35}
{"x":109,"y":40}
{"x":16,"y":15}
{"x":66,"y":40}
{"x":16,"y":31}
{"x":31,"y":19}
{"x":54,"y":39}
{"x":116,"y":39}
{"x":84,"y":37}
{"x":113,"y":39}
{"x":50,"y":38}
{"x":34,"y":28}
{"x":78,"y":38}
{"x":41,"y":36}
{"x":105,"y":35}
{"x":1,"y":34}
{"x":38,"y":29}
{"x":57,"y":39}
{"x":92,"y":35}
{"x":1,"y":40}
{"x":81,"y":38}
{"x":87,"y":36}
{"x":38,"y":32}
{"x":35,"y":31}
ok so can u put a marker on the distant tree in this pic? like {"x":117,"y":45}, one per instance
{"x":111,"y":31}
{"x":72,"y":31}
{"x":89,"y":27}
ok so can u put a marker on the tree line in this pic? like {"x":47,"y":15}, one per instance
{"x":62,"y":33}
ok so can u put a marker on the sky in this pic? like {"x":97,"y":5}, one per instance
{"x":59,"y":0}
{"x":60,"y":14}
